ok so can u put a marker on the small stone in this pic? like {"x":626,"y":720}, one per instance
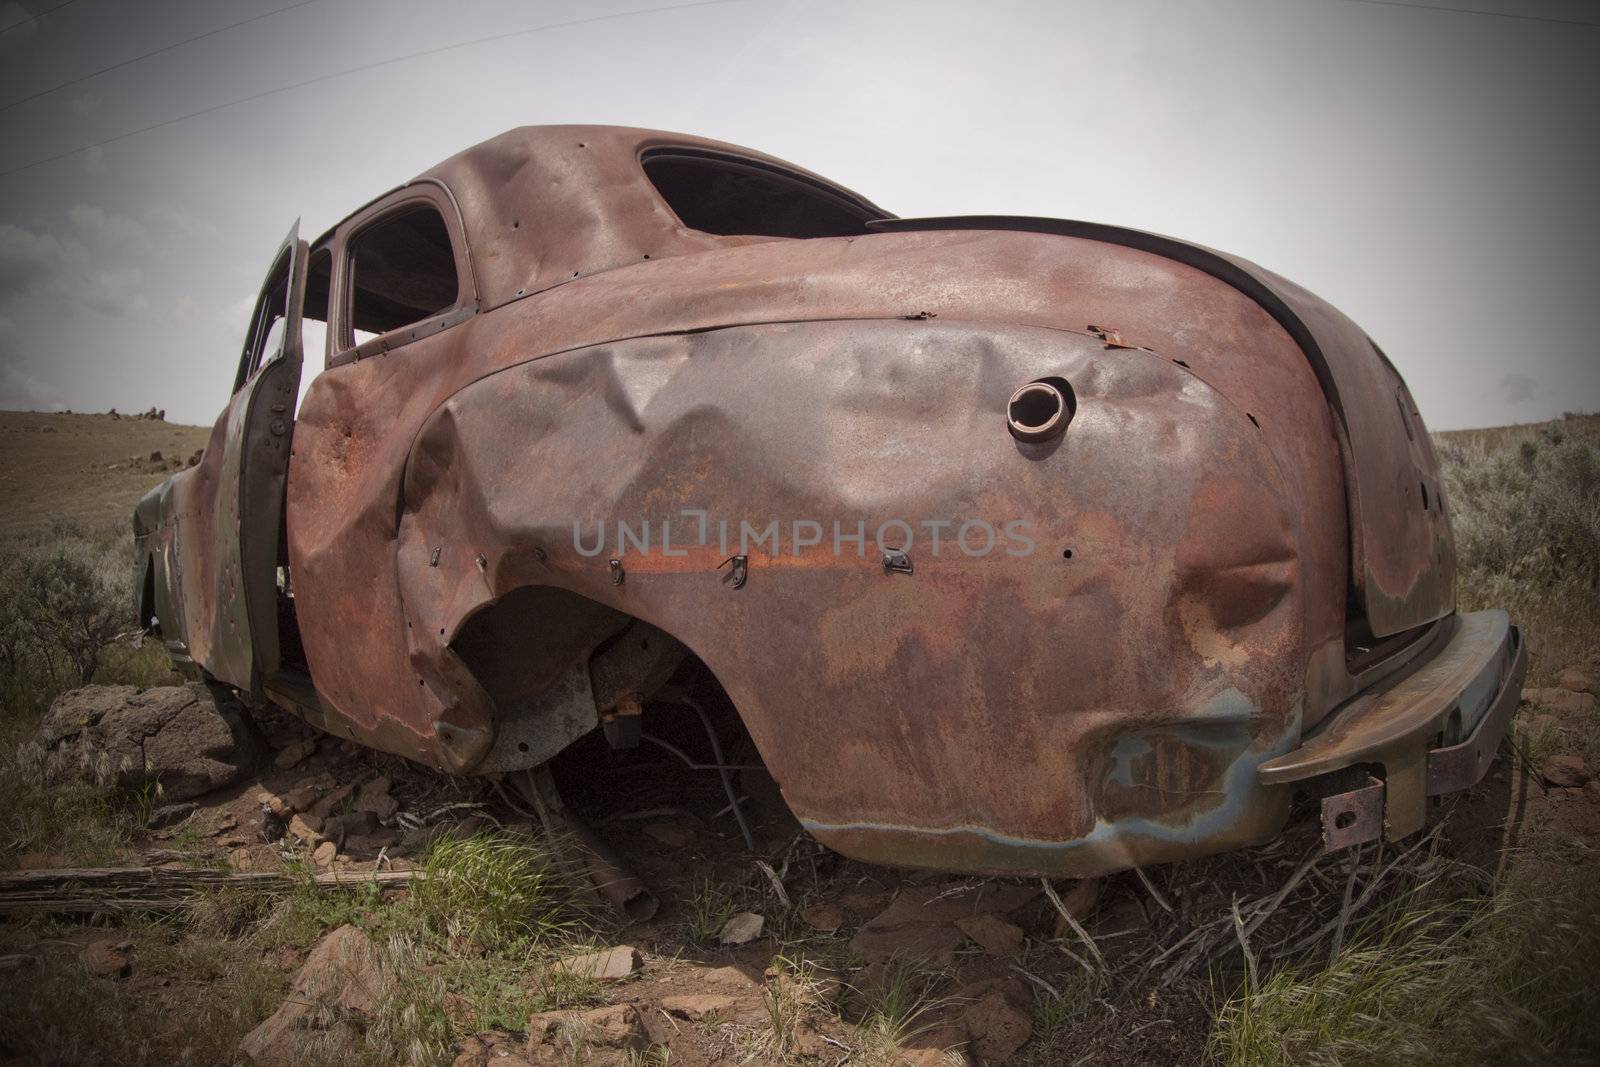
{"x":170,"y":815}
{"x":329,"y":802}
{"x":294,"y":754}
{"x":490,"y":1050}
{"x":307,"y":792}
{"x":1579,"y":680}
{"x":1563,"y":701}
{"x":743,"y":928}
{"x":354,"y":823}
{"x":373,"y":797}
{"x":1565,"y":772}
{"x":307,"y":828}
{"x":669,"y":834}
{"x":325,"y":854}
{"x":996,"y":936}
{"x":552,"y":1036}
{"x":998,"y":1018}
{"x":608,"y":966}
{"x":106,"y":959}
{"x":698,"y":1006}
{"x":344,"y":975}
{"x":272,"y":826}
{"x":824,"y":918}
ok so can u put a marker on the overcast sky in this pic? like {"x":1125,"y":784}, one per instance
{"x":1432,"y":173}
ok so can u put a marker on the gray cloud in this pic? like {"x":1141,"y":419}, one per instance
{"x":37,"y":264}
{"x":1517,"y":389}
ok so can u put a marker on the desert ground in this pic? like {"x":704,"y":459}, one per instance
{"x":284,"y":897}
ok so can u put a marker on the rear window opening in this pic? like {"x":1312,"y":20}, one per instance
{"x":731,"y":196}
{"x":403,"y":270}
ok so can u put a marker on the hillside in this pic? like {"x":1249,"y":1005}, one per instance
{"x":88,"y":469}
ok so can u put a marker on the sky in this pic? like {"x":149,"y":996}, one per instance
{"x":1433,"y":173}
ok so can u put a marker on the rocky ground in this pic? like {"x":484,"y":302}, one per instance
{"x":789,"y":954}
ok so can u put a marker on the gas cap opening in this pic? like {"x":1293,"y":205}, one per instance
{"x":1041,"y":409}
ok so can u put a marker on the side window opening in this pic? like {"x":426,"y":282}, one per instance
{"x":402,"y":270}
{"x":265,"y":339}
{"x":314,"y":320}
{"x":730,"y":196}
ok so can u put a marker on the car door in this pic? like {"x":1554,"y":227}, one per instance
{"x":250,"y":487}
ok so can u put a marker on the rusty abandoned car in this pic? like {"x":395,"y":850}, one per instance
{"x":1020,"y":546}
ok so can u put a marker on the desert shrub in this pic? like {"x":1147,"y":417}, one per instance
{"x":1529,"y":511}
{"x":1526,"y":516}
{"x":65,"y":598}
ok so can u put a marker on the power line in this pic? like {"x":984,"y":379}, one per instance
{"x":1474,"y":11}
{"x":17,"y":25}
{"x":136,"y":59}
{"x":357,"y":70}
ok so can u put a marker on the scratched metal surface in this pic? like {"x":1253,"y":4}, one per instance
{"x":998,"y":712}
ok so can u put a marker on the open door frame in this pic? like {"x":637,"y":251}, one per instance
{"x":255,"y":468}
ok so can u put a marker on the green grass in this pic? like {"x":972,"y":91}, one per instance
{"x":1506,"y":980}
{"x":497,"y":891}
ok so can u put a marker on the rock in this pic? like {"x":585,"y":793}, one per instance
{"x":1564,"y":701}
{"x":329,"y":802}
{"x":1081,"y":899}
{"x":734,"y":978}
{"x":1126,"y":916}
{"x":934,"y":945}
{"x":1579,"y":680}
{"x":324,"y":854}
{"x":307,"y":791}
{"x":998,"y":1018}
{"x":355,"y":823}
{"x":170,"y":815}
{"x":741,"y":928}
{"x":919,"y":923}
{"x":699,"y":1005}
{"x":190,"y":739}
{"x":366,"y":846}
{"x":937,"y":1046}
{"x":601,"y":1037}
{"x":824,"y":918}
{"x":607,"y":966}
{"x":1565,"y":772}
{"x":343,"y":974}
{"x":241,"y":859}
{"x":275,"y":804}
{"x":996,"y":936}
{"x":294,"y":754}
{"x":490,"y":1050}
{"x":668,"y":834}
{"x":373,"y":797}
{"x":307,"y":828}
{"x":272,"y":826}
{"x":107,"y":959}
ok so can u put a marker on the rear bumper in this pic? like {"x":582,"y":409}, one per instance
{"x":1432,"y":730}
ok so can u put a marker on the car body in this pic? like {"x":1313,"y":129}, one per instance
{"x":1019,"y":545}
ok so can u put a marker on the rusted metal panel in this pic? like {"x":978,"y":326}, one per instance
{"x":1402,"y":549}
